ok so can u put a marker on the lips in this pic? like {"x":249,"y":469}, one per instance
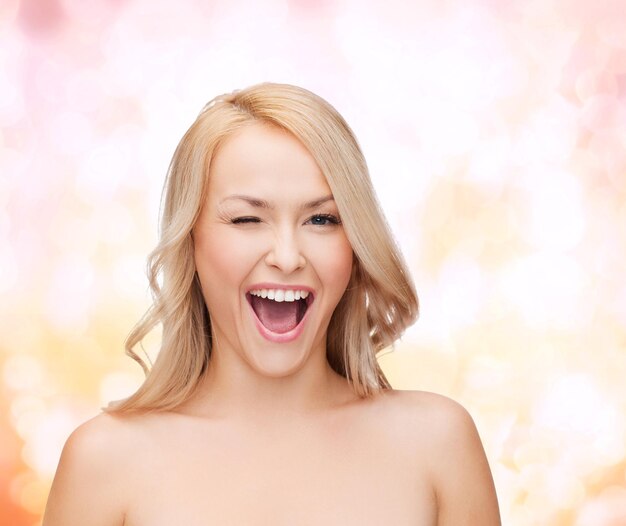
{"x":279,"y":312}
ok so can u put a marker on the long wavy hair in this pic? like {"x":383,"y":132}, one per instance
{"x":378,"y":304}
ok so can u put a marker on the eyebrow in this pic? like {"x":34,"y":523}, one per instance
{"x":262,"y":203}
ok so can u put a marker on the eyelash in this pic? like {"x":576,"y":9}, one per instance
{"x":333,"y":220}
{"x":240,"y":220}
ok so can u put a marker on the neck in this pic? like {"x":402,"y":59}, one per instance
{"x":230,"y":388}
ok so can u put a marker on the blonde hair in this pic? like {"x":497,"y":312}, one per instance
{"x":380,"y":300}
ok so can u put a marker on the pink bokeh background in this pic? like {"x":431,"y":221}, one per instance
{"x":496,"y":137}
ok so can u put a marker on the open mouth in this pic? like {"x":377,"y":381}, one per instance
{"x":279,"y":311}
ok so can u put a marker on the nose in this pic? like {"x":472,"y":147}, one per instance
{"x":285,"y":253}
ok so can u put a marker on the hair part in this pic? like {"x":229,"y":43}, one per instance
{"x":378,"y":304}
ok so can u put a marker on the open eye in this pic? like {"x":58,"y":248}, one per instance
{"x":324,"y":220}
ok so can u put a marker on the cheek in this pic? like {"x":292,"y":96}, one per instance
{"x":334,"y":265}
{"x":222,"y":263}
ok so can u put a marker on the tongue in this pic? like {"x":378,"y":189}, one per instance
{"x":276,"y":316}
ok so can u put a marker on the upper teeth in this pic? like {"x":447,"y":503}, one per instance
{"x":280,"y":294}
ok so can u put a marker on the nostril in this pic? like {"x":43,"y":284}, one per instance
{"x":286,"y":258}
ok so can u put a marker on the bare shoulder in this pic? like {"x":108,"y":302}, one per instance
{"x":444,"y":426}
{"x":90,"y":486}
{"x":433,"y":416}
{"x":426,"y":404}
{"x":101,"y":432}
{"x":430,"y":424}
{"x":445,"y":435}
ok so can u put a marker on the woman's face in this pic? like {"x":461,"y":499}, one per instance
{"x":271,"y":254}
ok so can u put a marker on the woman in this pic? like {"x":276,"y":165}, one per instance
{"x":276,"y":281}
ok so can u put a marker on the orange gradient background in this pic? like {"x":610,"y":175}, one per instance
{"x":496,"y":137}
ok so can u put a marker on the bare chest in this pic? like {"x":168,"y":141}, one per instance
{"x":306,"y":475}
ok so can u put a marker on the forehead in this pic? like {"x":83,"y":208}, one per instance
{"x":267,"y":162}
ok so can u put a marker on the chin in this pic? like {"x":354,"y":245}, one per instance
{"x":277,"y":362}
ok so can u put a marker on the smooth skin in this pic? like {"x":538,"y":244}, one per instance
{"x":273,"y":436}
